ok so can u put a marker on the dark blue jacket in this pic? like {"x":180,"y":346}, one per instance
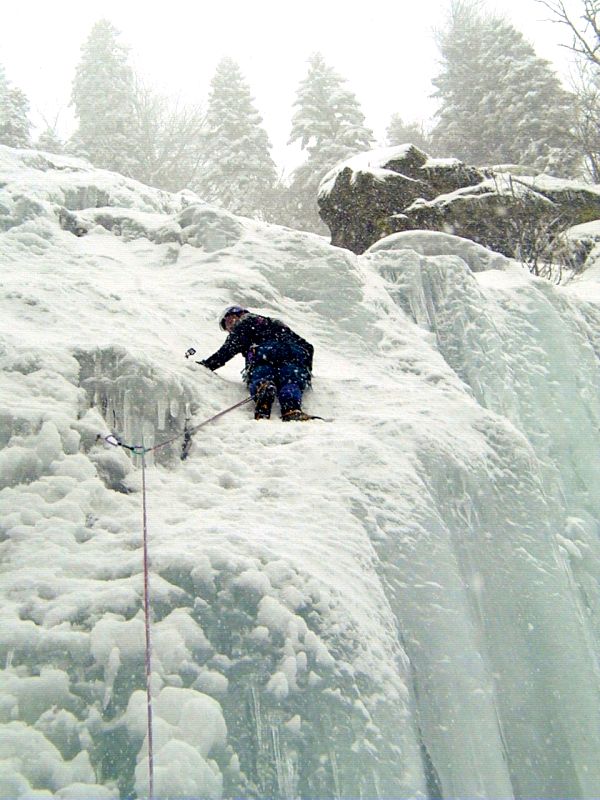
{"x":262,"y":340}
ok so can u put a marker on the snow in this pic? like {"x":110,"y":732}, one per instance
{"x":435,"y":163}
{"x":500,"y":184}
{"x":585,"y":230}
{"x":548,"y":183}
{"x":402,"y":602}
{"x":435,"y":243}
{"x":371,"y":161}
{"x":33,"y":178}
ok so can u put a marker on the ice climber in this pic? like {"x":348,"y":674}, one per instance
{"x":278,"y":361}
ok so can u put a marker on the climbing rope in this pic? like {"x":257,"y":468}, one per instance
{"x":147,"y":612}
{"x":141,"y":450}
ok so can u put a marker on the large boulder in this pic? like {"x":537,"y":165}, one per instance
{"x":395,"y":189}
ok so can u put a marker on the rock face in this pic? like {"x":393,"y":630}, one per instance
{"x":401,"y":188}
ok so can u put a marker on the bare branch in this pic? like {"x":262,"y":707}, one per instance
{"x":585,"y":29}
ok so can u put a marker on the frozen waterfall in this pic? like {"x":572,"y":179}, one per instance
{"x":400,"y":603}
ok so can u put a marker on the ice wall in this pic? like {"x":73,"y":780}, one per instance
{"x":518,"y":527}
{"x":402,"y":602}
{"x":276,"y":673}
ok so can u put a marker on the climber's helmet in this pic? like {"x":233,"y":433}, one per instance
{"x":231,"y":311}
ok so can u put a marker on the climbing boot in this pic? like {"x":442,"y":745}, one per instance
{"x":295,"y":415}
{"x":263,"y":400}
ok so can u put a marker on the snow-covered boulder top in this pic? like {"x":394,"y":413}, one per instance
{"x":403,"y":162}
{"x":376,"y":162}
{"x":375,"y":194}
{"x":587,"y":230}
{"x":581,"y":199}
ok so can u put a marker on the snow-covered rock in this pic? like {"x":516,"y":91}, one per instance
{"x":403,"y":602}
{"x":375,"y":194}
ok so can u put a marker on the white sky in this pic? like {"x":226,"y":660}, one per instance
{"x":386,"y":51}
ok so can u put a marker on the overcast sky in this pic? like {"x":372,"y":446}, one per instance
{"x":385,"y":50}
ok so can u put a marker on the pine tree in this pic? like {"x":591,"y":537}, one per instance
{"x":330,"y":126}
{"x":400,"y":132}
{"x":14,"y":120}
{"x":499,"y":102}
{"x":237,"y":172}
{"x":103,"y":96}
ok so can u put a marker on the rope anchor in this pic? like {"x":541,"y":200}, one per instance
{"x":185,"y":434}
{"x":136,"y":449}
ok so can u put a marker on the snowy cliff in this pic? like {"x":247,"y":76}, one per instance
{"x":402,"y":602}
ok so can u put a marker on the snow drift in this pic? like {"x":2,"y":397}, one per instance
{"x":403,"y":602}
